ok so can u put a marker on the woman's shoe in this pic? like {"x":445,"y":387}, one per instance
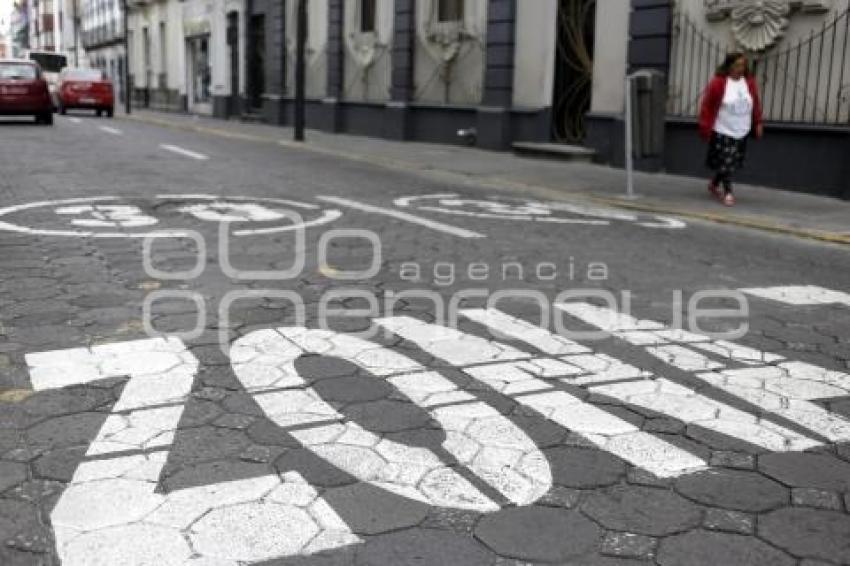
{"x":729,"y":199}
{"x":715,"y":190}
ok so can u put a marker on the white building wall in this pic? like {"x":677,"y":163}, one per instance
{"x":610,"y":56}
{"x":317,"y":48}
{"x":534,"y":56}
{"x":184,"y":20}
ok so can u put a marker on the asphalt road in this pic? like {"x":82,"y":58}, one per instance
{"x":383,"y":368}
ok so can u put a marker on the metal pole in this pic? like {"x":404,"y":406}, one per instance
{"x":300,"y":71}
{"x":76,"y":35}
{"x":630,"y":182}
{"x":630,"y":165}
{"x":126,"y":61}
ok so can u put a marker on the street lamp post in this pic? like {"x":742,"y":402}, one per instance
{"x":126,"y":60}
{"x":300,"y":70}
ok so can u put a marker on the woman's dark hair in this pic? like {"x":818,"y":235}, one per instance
{"x":730,"y":59}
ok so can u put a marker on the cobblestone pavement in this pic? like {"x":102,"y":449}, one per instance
{"x":411,"y":397}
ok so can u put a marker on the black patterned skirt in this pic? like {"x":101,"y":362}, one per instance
{"x":725,"y":154}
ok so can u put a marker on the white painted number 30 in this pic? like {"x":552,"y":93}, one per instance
{"x":107,"y":216}
{"x":111,"y":512}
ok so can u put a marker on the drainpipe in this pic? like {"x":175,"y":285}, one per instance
{"x":300,"y":71}
{"x":126,"y":60}
{"x":76,"y":36}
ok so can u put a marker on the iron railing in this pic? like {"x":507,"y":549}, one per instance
{"x":806,"y":82}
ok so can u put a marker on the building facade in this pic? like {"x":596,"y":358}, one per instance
{"x":799,"y":51}
{"x":47,"y":25}
{"x":44,"y":25}
{"x":507,"y":71}
{"x":101,"y":34}
{"x":185,"y":55}
{"x":408,"y":69}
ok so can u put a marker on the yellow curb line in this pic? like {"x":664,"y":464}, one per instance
{"x":503,"y":184}
{"x":15,"y":395}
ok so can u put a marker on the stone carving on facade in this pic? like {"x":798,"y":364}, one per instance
{"x":758,"y":24}
{"x":443,"y":40}
{"x":366,"y":46}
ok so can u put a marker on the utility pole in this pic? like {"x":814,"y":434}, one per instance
{"x":126,"y":60}
{"x":300,"y":70}
{"x":76,"y":34}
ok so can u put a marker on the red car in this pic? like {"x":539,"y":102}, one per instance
{"x":86,"y":88}
{"x":23,"y":91}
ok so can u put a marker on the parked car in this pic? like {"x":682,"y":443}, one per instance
{"x":51,"y":64}
{"x":23,"y":91}
{"x":86,"y":88}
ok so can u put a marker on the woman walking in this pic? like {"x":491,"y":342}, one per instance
{"x":731,"y":111}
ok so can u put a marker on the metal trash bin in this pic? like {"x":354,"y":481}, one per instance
{"x":649,"y":96}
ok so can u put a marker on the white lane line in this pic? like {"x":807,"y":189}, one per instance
{"x":184,"y":152}
{"x":800,"y":295}
{"x":113,"y":131}
{"x":770,"y":382}
{"x":75,"y":120}
{"x":434,"y":225}
{"x":510,"y":372}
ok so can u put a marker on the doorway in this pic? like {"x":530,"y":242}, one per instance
{"x":573,"y":69}
{"x":257,"y":61}
{"x":200,"y":74}
{"x":233,"y":48}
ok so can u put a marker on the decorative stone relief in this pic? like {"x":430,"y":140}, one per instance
{"x":759,"y":24}
{"x":366,"y":47}
{"x":443,"y":40}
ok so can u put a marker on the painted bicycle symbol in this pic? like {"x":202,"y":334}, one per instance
{"x":523,"y":210}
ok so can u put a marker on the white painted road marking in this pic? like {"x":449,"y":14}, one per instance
{"x":477,"y":436}
{"x":770,"y":382}
{"x":74,"y":120}
{"x":434,"y":225}
{"x":499,"y":367}
{"x":107,"y":216}
{"x":800,"y":295}
{"x":530,"y":211}
{"x":184,"y":152}
{"x":111,"y":513}
{"x":113,"y":131}
{"x":110,"y":212}
{"x":630,"y":385}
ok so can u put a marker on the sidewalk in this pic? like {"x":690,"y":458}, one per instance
{"x":761,"y":208}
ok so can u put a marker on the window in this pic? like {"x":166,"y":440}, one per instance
{"x":84,"y":74}
{"x":368,"y":15}
{"x":17,"y":71}
{"x":450,"y":10}
{"x":163,"y":50}
{"x":146,"y":47}
{"x":49,"y":62}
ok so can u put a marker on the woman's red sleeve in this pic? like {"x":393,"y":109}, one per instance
{"x":711,"y":101}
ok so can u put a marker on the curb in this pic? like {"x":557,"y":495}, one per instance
{"x":503,"y":184}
